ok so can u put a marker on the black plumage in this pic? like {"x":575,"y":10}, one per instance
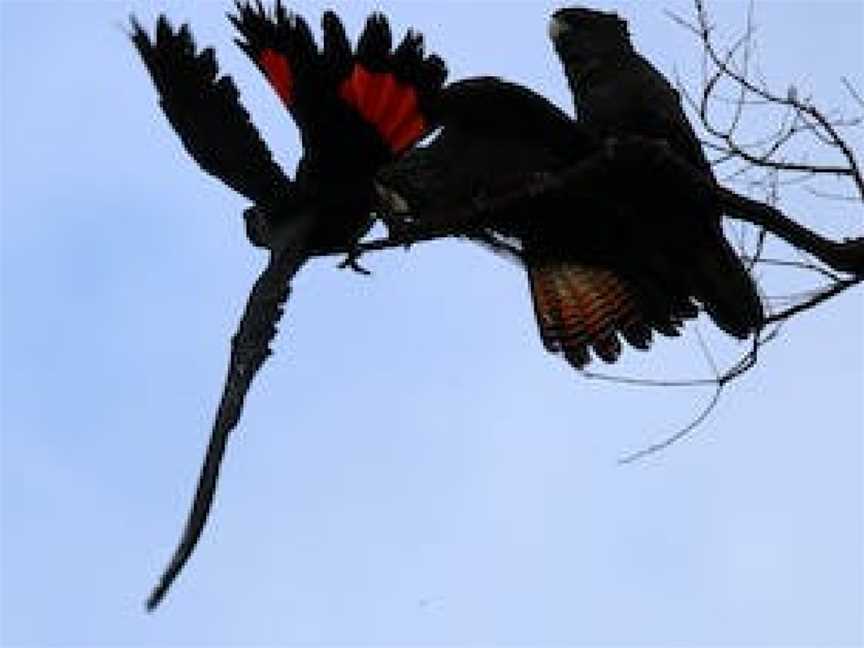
{"x":356,"y":110}
{"x":608,"y":260}
{"x":617,"y":92}
{"x":205,"y":111}
{"x":624,"y":253}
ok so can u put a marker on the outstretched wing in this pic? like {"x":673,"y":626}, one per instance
{"x":250,"y":347}
{"x":206,"y":113}
{"x":355,"y":111}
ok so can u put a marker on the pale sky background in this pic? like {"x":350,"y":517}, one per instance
{"x":412,"y":467}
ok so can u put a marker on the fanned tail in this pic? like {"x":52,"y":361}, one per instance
{"x":583,"y":309}
{"x":394,"y":90}
{"x":375,"y":100}
{"x":580,"y":307}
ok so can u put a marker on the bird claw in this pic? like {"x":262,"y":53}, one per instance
{"x":351,"y":263}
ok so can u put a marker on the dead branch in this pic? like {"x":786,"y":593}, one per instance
{"x":780,"y":159}
{"x":846,"y":256}
{"x":795,"y":116}
{"x":626,"y":156}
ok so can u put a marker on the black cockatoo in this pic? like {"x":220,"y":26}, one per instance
{"x":617,"y":92}
{"x":356,"y":108}
{"x":634,"y":249}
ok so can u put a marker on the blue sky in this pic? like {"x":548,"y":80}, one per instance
{"x":411,"y":466}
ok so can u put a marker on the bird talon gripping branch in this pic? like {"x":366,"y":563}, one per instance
{"x":351,"y":262}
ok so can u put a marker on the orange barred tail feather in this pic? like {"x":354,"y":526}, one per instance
{"x":582,"y":308}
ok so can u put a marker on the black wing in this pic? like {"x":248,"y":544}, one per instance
{"x":666,"y":118}
{"x":205,"y":110}
{"x":250,"y":347}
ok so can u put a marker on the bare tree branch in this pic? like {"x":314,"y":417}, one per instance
{"x":847,"y":256}
{"x":733,"y":65}
{"x":796,"y":131}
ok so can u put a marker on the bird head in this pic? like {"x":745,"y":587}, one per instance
{"x":580,"y":35}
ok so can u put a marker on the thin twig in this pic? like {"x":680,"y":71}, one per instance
{"x":674,"y":438}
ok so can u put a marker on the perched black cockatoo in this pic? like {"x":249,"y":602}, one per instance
{"x":587,"y":256}
{"x":617,"y":92}
{"x":356,"y":108}
{"x":636,"y":248}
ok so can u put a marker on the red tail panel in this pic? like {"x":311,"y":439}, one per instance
{"x":279,"y":74}
{"x":356,"y":85}
{"x":390,"y":106}
{"x":384,"y":94}
{"x":347,"y":92}
{"x":399,"y":110}
{"x":408,"y":133}
{"x":392,"y":90}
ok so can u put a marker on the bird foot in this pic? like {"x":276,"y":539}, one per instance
{"x":351,"y":262}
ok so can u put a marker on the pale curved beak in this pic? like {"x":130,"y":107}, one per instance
{"x":557,"y":28}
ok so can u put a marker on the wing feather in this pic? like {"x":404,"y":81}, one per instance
{"x":205,"y":111}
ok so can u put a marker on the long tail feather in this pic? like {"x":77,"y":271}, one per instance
{"x":250,"y":347}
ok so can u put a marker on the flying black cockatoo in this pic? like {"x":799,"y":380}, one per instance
{"x":356,"y":109}
{"x":636,"y":248}
{"x":617,"y":92}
